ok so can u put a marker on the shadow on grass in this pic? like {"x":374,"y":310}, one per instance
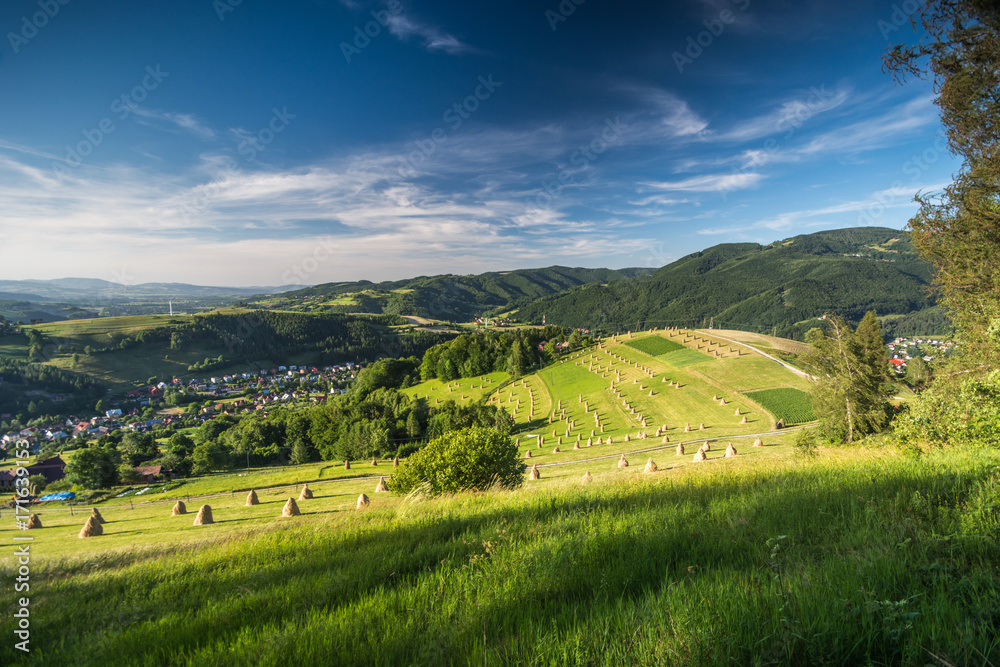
{"x":571,"y":574}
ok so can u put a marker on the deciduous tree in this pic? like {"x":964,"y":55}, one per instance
{"x":958,"y":231}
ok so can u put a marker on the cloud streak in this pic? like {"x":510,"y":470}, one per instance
{"x":433,"y":38}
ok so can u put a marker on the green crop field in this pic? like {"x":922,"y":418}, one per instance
{"x":463,"y":390}
{"x":750,"y":373}
{"x":792,"y":405}
{"x":856,"y":556}
{"x":685,"y":357}
{"x":15,"y":347}
{"x":654,"y":345}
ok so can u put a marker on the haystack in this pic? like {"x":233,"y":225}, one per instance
{"x":362,"y":502}
{"x":626,"y":437}
{"x":204,"y":516}
{"x":650,"y":465}
{"x":699,"y":456}
{"x":707,"y":446}
{"x":179,"y":508}
{"x":395,"y":462}
{"x":576,"y":445}
{"x":666,"y":439}
{"x":758,"y":443}
{"x":623,"y":462}
{"x":374,"y":462}
{"x":91,"y":528}
{"x":97,"y":515}
{"x":347,"y":465}
{"x":701,"y":427}
{"x":527,"y":454}
{"x":533,"y":473}
{"x":590,"y":441}
{"x":555,"y":450}
{"x":599,"y":441}
{"x":730,"y":451}
{"x":381,"y":487}
{"x":744,"y":420}
{"x":252,"y":499}
{"x":722,"y":401}
{"x":35,"y":521}
{"x":687,"y":428}
{"x":306,"y":493}
{"x":680,"y":449}
{"x":291,"y":508}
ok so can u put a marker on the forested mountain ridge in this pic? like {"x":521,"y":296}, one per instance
{"x":779,"y":287}
{"x":448,"y":296}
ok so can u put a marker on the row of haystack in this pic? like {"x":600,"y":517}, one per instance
{"x":651,"y":466}
{"x":291,"y":508}
{"x":395,"y":463}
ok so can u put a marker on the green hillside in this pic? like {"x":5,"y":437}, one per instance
{"x":853,"y":557}
{"x":445,"y":297}
{"x":681,"y":385}
{"x":121,"y":351}
{"x":779,"y":287}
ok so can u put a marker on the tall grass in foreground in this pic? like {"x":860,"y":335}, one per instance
{"x":859,"y":557}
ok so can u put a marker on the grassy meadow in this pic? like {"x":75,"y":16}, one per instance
{"x":774,"y":556}
{"x":856,"y":556}
{"x":463,"y":390}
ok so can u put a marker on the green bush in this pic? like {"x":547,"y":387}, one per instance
{"x":475,"y":458}
{"x":805,"y":443}
{"x":963,"y":412}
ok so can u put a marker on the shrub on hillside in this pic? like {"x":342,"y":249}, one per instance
{"x":963,"y":411}
{"x":475,"y":458}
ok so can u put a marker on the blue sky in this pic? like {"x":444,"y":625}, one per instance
{"x":247,"y":142}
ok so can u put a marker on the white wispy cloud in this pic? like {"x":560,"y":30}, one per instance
{"x":662,"y":114}
{"x":709,"y":183}
{"x":875,"y":132}
{"x":788,"y":116}
{"x":434,"y":39}
{"x":183,"y":121}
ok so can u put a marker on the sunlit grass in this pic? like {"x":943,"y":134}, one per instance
{"x":859,"y":556}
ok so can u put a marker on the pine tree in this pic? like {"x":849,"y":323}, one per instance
{"x":413,"y":425}
{"x":851,"y":391}
{"x":300,"y":453}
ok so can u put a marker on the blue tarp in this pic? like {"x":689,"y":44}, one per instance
{"x":65,"y":495}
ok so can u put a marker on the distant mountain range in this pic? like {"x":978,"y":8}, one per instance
{"x":91,"y":291}
{"x":778,"y":288}
{"x":80,"y":298}
{"x":781,"y":287}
